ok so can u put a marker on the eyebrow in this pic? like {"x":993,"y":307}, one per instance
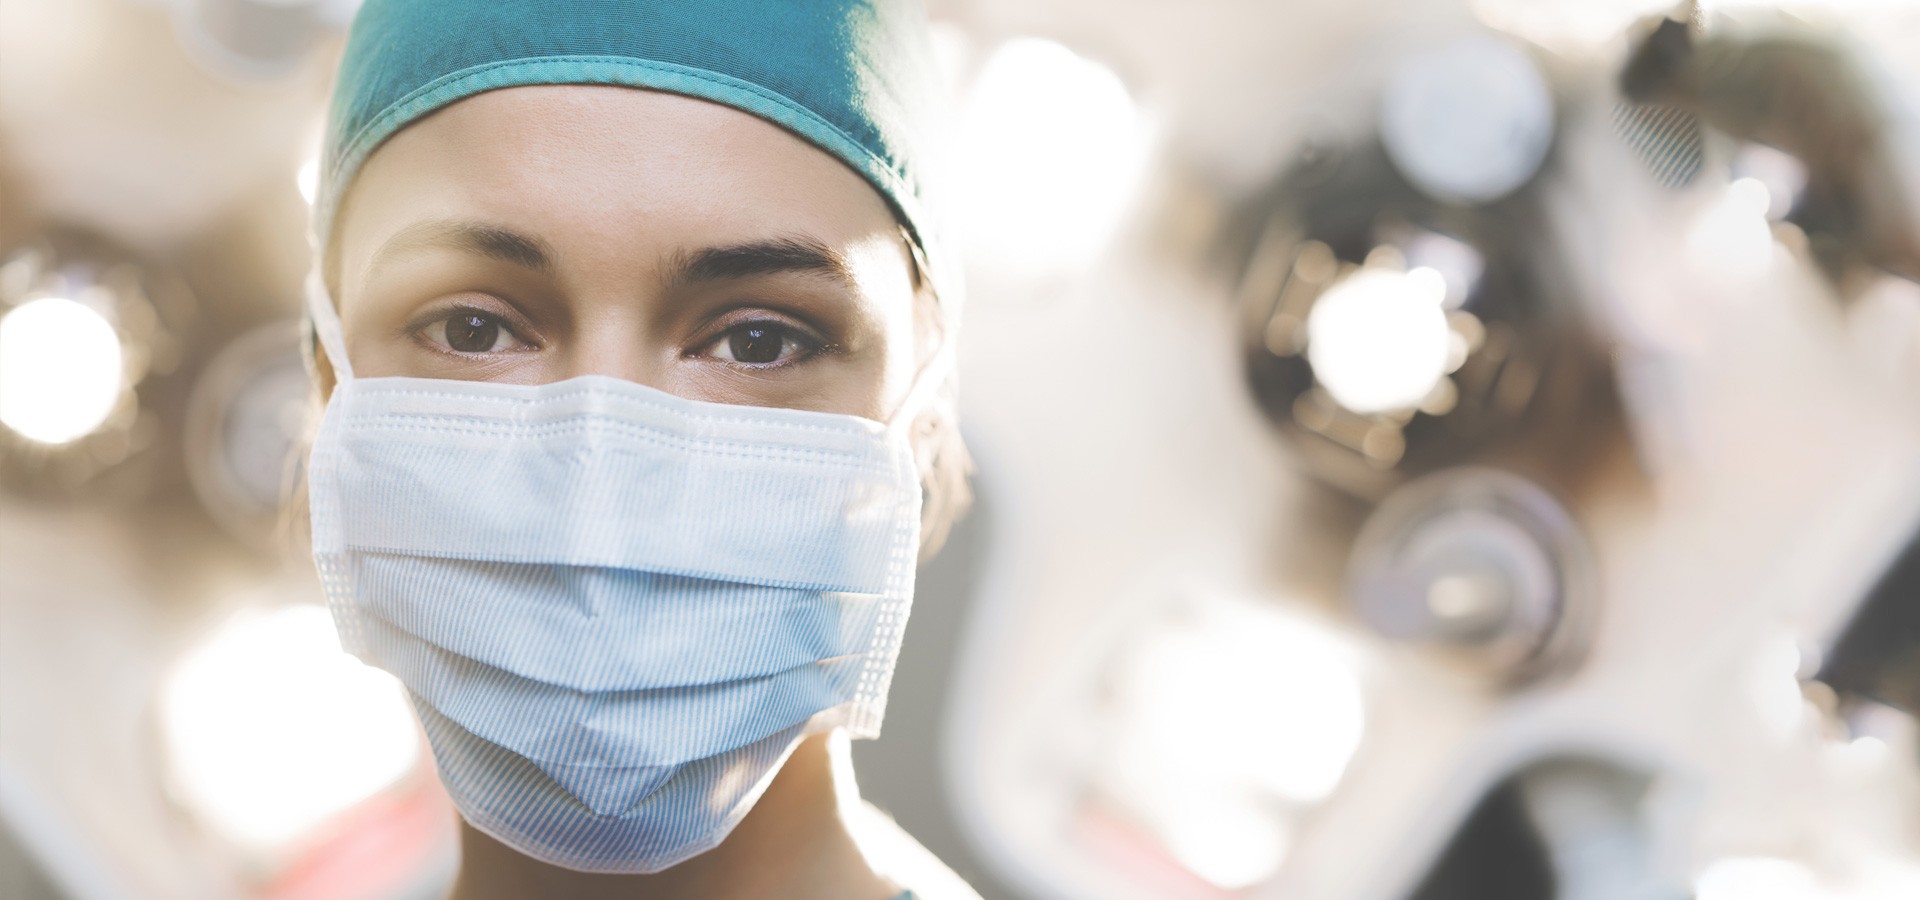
{"x":765,"y":257}
{"x":476,"y":238}
{"x":733,"y":261}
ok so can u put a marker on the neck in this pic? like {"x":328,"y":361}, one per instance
{"x":794,"y":843}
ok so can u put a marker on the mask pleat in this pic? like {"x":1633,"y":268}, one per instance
{"x":581,"y":626}
{"x":616,"y":609}
{"x":560,"y":483}
{"x":655,"y":726}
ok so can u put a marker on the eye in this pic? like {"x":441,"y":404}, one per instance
{"x":761,"y":344}
{"x":473,"y":331}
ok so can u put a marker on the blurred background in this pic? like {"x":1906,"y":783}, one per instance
{"x":1427,"y":449}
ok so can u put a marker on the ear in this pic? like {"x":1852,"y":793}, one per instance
{"x":945,"y":471}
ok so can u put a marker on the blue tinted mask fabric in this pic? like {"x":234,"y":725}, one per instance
{"x":616,"y":610}
{"x":856,"y":78}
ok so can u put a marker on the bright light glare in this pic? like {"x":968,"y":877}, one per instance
{"x":951,"y":49}
{"x":1222,"y":718}
{"x":1774,"y":686}
{"x":1885,"y":325}
{"x":1771,"y":878}
{"x":1756,"y":878}
{"x":1457,"y":262}
{"x":1377,"y":339}
{"x":270,"y":729}
{"x":1565,"y":25}
{"x":1233,"y":844}
{"x":1887,"y":878}
{"x":308,"y":179}
{"x":1731,"y":238}
{"x":1052,"y":148}
{"x":1783,"y":175}
{"x":1862,"y":755}
{"x":60,"y":370}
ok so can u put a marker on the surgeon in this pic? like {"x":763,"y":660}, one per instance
{"x":635,"y":326}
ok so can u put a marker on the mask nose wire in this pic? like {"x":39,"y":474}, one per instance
{"x":326,"y":326}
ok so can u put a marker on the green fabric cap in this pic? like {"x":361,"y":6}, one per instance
{"x":855,"y":77}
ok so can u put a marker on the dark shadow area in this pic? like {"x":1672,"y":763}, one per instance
{"x":21,"y":878}
{"x":1496,"y":855}
{"x":1879,"y":655}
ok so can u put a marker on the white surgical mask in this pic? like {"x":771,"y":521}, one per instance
{"x":616,"y":610}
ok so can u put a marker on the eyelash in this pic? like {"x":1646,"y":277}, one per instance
{"x":809,"y":344}
{"x":445,"y":315}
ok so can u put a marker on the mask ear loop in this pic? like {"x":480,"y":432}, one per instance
{"x":926,"y":383}
{"x":325,"y":321}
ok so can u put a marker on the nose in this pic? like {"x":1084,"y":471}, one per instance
{"x":616,"y":342}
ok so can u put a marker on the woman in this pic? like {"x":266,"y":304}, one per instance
{"x":636,"y":335}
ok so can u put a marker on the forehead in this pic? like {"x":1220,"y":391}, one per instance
{"x":597,"y":164}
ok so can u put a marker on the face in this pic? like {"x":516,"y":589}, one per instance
{"x":539,"y":233}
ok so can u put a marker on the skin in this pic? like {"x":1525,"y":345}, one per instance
{"x":534,"y":234}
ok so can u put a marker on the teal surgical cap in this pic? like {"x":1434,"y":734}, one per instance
{"x":854,"y":77}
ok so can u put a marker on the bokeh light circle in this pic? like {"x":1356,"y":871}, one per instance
{"x":61,"y":370}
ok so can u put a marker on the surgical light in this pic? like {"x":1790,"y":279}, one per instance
{"x":1390,"y":334}
{"x":61,"y":370}
{"x":246,"y":420}
{"x":1378,"y":339}
{"x":1052,"y":147}
{"x":270,"y":730}
{"x":1483,"y":567}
